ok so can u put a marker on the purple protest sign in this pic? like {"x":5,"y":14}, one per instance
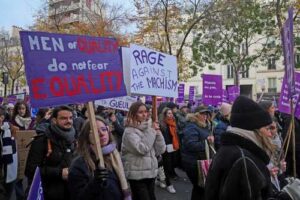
{"x":233,"y":93}
{"x":36,"y":189}
{"x":212,"y":89}
{"x":225,"y":96}
{"x":12,"y":99}
{"x":191,"y":94}
{"x":287,"y":38}
{"x":63,"y":68}
{"x":148,"y":99}
{"x":284,"y":100}
{"x":180,"y":98}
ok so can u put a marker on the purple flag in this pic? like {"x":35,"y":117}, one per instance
{"x":191,"y":94}
{"x":287,"y":38}
{"x":284,"y":100}
{"x":212,"y":89}
{"x":233,"y":93}
{"x":36,"y":189}
{"x":62,"y":68}
{"x":180,"y":98}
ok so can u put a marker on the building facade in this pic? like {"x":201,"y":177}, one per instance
{"x":72,"y":11}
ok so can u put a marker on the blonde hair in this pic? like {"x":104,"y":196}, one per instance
{"x":266,"y":143}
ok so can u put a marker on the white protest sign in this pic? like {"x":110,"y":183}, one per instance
{"x":152,"y":72}
{"x":120,"y":103}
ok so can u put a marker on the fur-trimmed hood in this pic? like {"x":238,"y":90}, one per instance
{"x":191,"y":117}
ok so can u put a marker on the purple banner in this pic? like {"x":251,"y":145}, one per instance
{"x":180,"y":98}
{"x":212,"y":89}
{"x":225,"y":96}
{"x":36,"y":189}
{"x":284,"y":100}
{"x":287,"y":38}
{"x":191,"y":94}
{"x":233,"y":93}
{"x":62,"y":69}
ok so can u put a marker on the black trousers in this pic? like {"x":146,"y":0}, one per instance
{"x":142,"y":189}
{"x":192,"y":173}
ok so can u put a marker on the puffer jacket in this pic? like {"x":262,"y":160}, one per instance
{"x":140,"y":146}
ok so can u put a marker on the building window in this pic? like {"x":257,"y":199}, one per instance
{"x":271,"y":63}
{"x":229,"y":71}
{"x":272,"y":88}
{"x":245,"y":72}
{"x":297,"y":60}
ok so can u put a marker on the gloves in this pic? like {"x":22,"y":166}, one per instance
{"x":100,"y":176}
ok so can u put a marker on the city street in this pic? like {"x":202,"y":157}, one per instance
{"x":182,"y":186}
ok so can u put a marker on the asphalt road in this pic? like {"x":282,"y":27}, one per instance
{"x":182,"y":186}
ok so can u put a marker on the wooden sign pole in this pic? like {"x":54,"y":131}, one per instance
{"x":154,"y":109}
{"x":95,"y":136}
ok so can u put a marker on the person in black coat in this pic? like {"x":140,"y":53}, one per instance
{"x":239,"y":169}
{"x":89,"y":181}
{"x":52,"y":152}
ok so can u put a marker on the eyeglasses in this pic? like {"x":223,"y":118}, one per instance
{"x":103,"y":129}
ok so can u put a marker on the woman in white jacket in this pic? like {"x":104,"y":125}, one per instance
{"x":142,"y":141}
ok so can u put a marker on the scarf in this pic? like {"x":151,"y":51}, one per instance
{"x":66,"y":135}
{"x":9,"y":153}
{"x":23,"y":121}
{"x":173,"y":132}
{"x":250,"y":135}
{"x":111,"y":151}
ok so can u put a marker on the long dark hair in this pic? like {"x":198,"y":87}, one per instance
{"x":84,"y":148}
{"x":16,"y":108}
{"x":133,"y":110}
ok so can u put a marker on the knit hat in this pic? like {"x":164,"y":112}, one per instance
{"x":247,"y":114}
{"x":225,"y":109}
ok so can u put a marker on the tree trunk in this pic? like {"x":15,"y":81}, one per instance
{"x":236,"y":77}
{"x":12,"y":86}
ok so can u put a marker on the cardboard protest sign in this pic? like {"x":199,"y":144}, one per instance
{"x":150,"y":72}
{"x":23,"y":138}
{"x":212,"y":89}
{"x":63,"y":68}
{"x":120,"y":103}
{"x":180,"y":98}
{"x":233,"y":92}
{"x":36,"y":188}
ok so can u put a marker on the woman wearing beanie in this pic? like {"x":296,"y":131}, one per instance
{"x":239,"y":169}
{"x":88,"y":181}
{"x":193,"y":147}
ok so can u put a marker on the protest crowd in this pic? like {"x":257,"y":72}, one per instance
{"x":244,"y":140}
